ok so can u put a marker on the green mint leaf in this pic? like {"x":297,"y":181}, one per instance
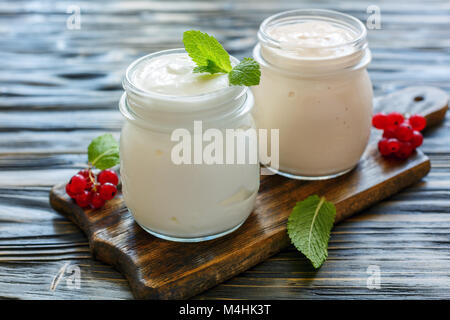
{"x":246,"y":73}
{"x":103,"y":152}
{"x":210,"y":68}
{"x":309,"y":227}
{"x":206,"y":52}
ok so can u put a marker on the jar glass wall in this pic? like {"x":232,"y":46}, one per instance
{"x":184,"y":202}
{"x":315,"y":91}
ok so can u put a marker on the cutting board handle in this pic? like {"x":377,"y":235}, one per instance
{"x":431,"y":102}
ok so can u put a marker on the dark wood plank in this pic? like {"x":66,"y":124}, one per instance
{"x":115,"y":238}
{"x":31,"y":277}
{"x":80,"y":70}
{"x":159,"y":269}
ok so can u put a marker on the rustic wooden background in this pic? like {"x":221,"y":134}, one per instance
{"x":59,"y":88}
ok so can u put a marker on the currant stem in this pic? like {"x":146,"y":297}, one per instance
{"x":91,"y":177}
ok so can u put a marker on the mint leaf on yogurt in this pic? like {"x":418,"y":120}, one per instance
{"x":206,"y":52}
{"x":211,"y":57}
{"x":211,"y":68}
{"x":103,"y":152}
{"x":309,"y":227}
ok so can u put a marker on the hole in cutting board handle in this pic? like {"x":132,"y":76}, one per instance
{"x":418,"y":98}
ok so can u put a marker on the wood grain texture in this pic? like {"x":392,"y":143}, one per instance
{"x":159,"y":269}
{"x":51,"y":75}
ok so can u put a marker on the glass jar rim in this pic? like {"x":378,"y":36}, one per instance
{"x":314,"y":14}
{"x":128,"y":84}
{"x":157,"y":110}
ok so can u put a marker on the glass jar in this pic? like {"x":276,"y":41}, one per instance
{"x":184,"y":202}
{"x":318,"y":96}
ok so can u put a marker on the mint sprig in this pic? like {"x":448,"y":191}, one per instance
{"x":309,"y":227}
{"x":246,"y":73}
{"x":211,"y":57}
{"x":206,"y":52}
{"x":103,"y":152}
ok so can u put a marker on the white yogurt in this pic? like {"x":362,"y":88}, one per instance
{"x":172,"y":74}
{"x":182,"y":202}
{"x":315,"y":89}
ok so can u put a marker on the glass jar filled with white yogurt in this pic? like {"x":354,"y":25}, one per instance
{"x":183,"y":200}
{"x":315,"y":89}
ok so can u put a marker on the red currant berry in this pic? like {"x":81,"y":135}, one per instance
{"x":69,"y":191}
{"x":83,"y":199}
{"x":404,"y":132}
{"x":389,"y":132}
{"x":95,"y":187}
{"x":89,"y":176}
{"x":405,"y":150}
{"x":89,"y":185}
{"x":97,"y":201}
{"x":417,"y":139}
{"x":393,"y":145}
{"x":394,"y":119}
{"x":379,"y":120}
{"x":383,"y":147}
{"x":77,"y":183}
{"x":108,"y":176}
{"x":108,"y":191}
{"x":418,"y":122}
{"x":84,"y":173}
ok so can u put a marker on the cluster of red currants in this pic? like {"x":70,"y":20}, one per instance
{"x":87,"y":189}
{"x":400,"y":136}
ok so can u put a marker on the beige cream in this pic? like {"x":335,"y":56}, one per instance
{"x":315,"y":89}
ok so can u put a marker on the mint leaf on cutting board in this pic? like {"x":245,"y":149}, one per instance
{"x":103,"y":152}
{"x":206,"y":52}
{"x":309,"y":227}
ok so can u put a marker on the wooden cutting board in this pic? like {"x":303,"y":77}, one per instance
{"x":159,"y":269}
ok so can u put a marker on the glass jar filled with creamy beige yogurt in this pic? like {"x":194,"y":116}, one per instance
{"x":193,"y":200}
{"x":315,"y":89}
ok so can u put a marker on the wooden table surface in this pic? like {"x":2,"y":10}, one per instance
{"x":59,"y":88}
